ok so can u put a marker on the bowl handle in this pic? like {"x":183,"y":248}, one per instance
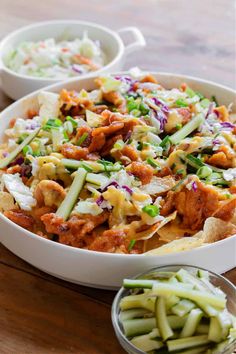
{"x":138,"y":41}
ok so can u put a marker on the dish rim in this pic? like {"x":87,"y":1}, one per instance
{"x":61,"y":84}
{"x":114,"y":34}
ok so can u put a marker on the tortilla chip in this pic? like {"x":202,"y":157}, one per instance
{"x":216,"y":229}
{"x":146,"y":234}
{"x":173,"y":231}
{"x":183,"y":244}
{"x":6,"y":202}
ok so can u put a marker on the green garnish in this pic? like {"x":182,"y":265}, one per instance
{"x":131,"y":104}
{"x":180,"y":172}
{"x":181,"y":103}
{"x":194,"y":161}
{"x":165,"y":141}
{"x":213,"y":98}
{"x":151,"y":210}
{"x":152,"y":162}
{"x":82,"y":139}
{"x":106,"y":164}
{"x":204,"y":172}
{"x":21,"y":138}
{"x":131,"y":245}
{"x":73,"y":121}
{"x":52,"y":123}
{"x":86,"y":167}
{"x":27,"y":150}
{"x":119,"y":144}
{"x":178,"y":126}
{"x":144,"y":109}
{"x":200,"y":95}
{"x":190,"y":92}
{"x":205,"y":103}
{"x":135,"y":113}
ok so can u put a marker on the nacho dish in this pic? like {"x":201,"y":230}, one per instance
{"x":130,"y":167}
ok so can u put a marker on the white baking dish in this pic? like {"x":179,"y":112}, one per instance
{"x":16,"y":85}
{"x":98,"y":269}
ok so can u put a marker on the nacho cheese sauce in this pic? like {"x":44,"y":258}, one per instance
{"x":129,"y":167}
{"x":56,"y":59}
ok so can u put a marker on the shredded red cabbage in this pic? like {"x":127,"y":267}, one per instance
{"x":113,"y":183}
{"x":128,"y":189}
{"x":100,"y":200}
{"x":194,"y":186}
{"x":77,"y":68}
{"x":227,"y":125}
{"x":18,"y":161}
{"x":161,"y":104}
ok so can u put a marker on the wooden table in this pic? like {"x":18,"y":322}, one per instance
{"x":40,"y":314}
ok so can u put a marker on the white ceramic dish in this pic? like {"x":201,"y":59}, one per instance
{"x":104,"y":270}
{"x":17,"y":86}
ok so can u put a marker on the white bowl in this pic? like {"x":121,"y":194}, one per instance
{"x":104,"y":270}
{"x":17,"y":85}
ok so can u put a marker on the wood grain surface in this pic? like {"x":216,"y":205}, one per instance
{"x":40,"y":314}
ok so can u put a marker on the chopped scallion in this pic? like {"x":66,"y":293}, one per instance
{"x":151,"y":210}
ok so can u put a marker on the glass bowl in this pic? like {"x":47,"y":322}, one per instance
{"x":216,"y":279}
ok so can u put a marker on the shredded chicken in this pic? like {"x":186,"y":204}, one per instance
{"x":73,"y":231}
{"x":143,"y":172}
{"x":49,"y":193}
{"x":21,"y":217}
{"x":196,"y":205}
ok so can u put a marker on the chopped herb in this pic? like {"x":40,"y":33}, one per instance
{"x":119,"y":144}
{"x":140,"y":146}
{"x":213,"y":98}
{"x":86,"y":167}
{"x":21,"y":138}
{"x":165,"y":141}
{"x":73,"y":121}
{"x":131,"y":245}
{"x":152,"y":162}
{"x":181,"y":103}
{"x":151,"y":210}
{"x":82,"y":139}
{"x":143,"y":108}
{"x":190,"y":92}
{"x":205,"y":103}
{"x":173,"y":166}
{"x":106,"y":163}
{"x":52,"y":123}
{"x":135,"y":113}
{"x":27,"y":150}
{"x":204,"y":172}
{"x":178,"y":126}
{"x":200,"y":95}
{"x":131,"y":104}
{"x":180,"y":172}
{"x":228,"y":195}
{"x":66,"y":137}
